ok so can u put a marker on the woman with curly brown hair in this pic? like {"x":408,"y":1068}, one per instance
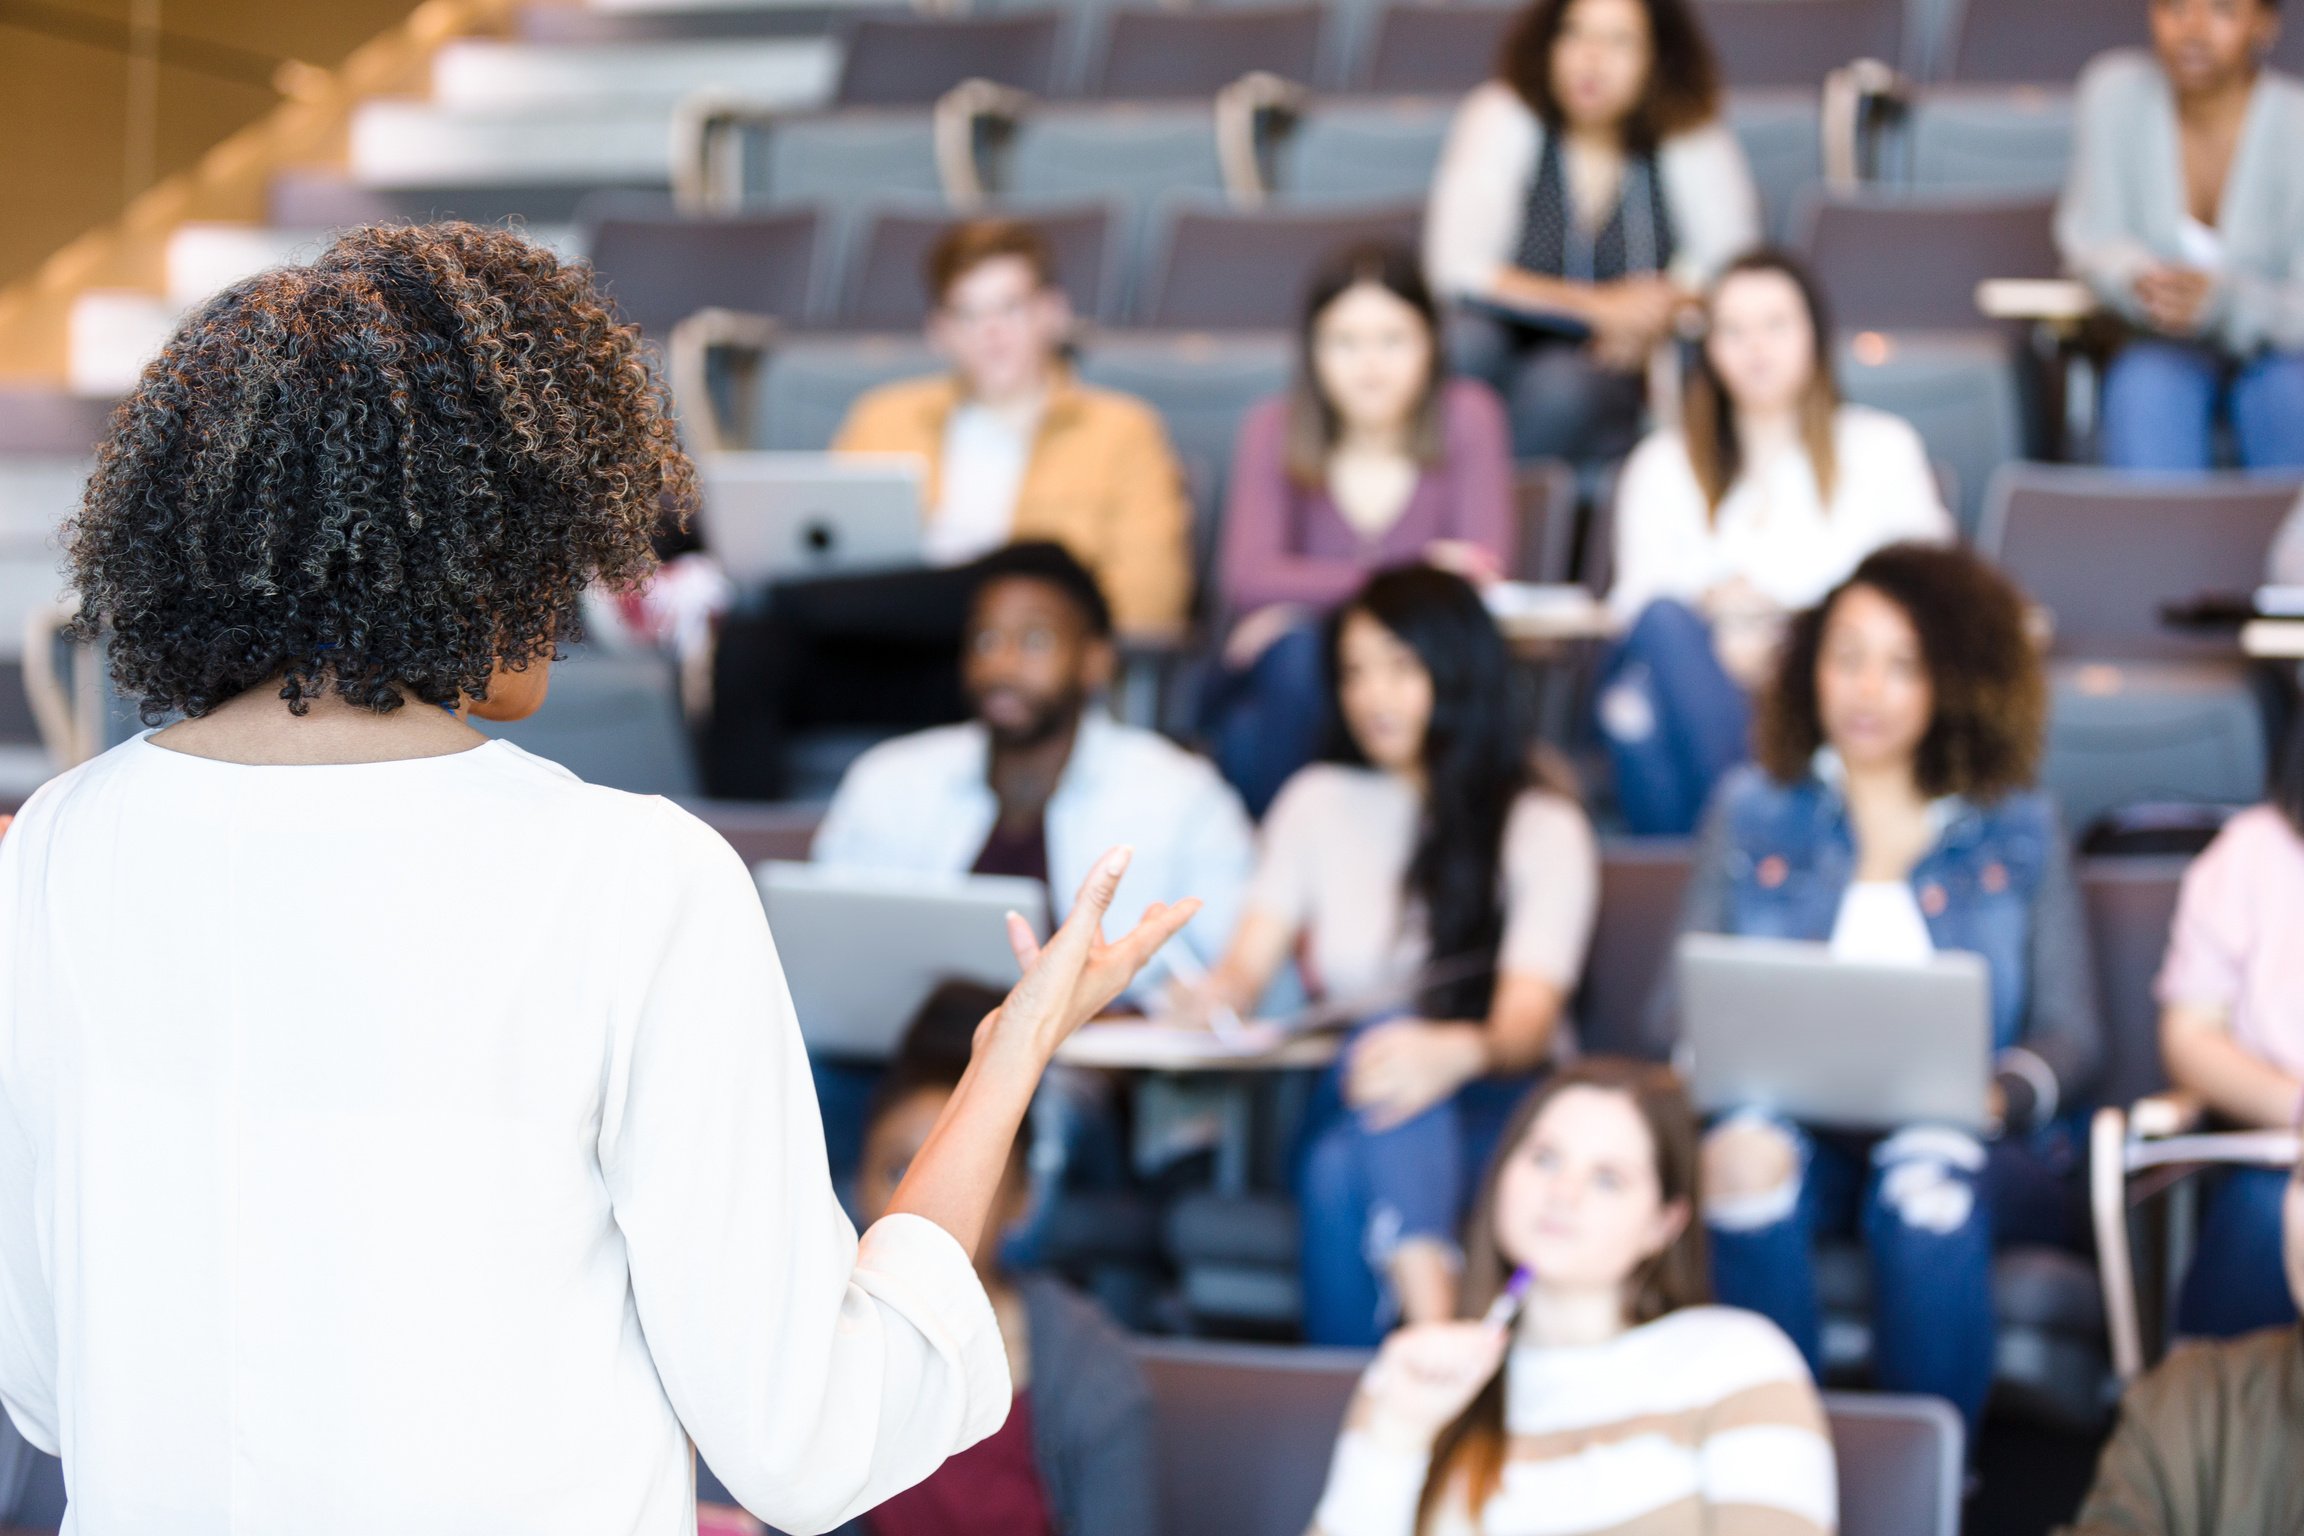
{"x":400,"y":1134}
{"x":1893,"y":814}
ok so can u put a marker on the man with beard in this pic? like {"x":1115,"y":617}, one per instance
{"x":1039,"y":782}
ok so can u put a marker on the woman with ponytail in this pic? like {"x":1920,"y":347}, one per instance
{"x":1596,"y":1390}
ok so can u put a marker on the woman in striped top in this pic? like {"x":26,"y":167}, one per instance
{"x":1615,"y":1400}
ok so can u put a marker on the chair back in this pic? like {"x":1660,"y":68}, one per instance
{"x":1895,"y":261}
{"x":1799,"y":42}
{"x":661,"y":267}
{"x":1159,"y":55}
{"x":1642,"y":881}
{"x":2102,"y":551}
{"x":1230,"y":271}
{"x":1432,"y":49}
{"x":891,"y":61}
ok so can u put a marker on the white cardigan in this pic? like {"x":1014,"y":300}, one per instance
{"x":1480,"y":194}
{"x":2125,"y":198}
{"x":1773,"y":528}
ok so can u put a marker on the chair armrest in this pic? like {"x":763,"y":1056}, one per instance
{"x":688,"y":356}
{"x":1855,"y":97}
{"x":707,"y":163}
{"x":964,"y":116}
{"x":2173,"y":1113}
{"x":1249,"y":112}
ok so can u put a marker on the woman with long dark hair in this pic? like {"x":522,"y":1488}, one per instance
{"x":1585,"y":196}
{"x":1435,"y":890}
{"x":1768,"y":491}
{"x":1374,"y":456}
{"x":1584,"y":1269}
{"x":397,"y":1133}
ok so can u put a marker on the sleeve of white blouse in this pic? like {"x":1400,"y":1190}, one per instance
{"x":817,"y":1376}
{"x":1477,"y":193}
{"x":2096,"y":227}
{"x":1715,"y":205}
{"x":1659,"y":532}
{"x":1910,"y":503}
{"x":1372,"y":1489}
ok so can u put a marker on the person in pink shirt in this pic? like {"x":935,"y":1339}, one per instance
{"x":2232,"y":1031}
{"x":1374,"y":458}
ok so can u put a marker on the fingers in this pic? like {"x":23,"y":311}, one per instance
{"x":1155,"y":928}
{"x":1023,"y":941}
{"x":1083,"y":926}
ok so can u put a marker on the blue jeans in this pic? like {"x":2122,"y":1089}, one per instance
{"x":1675,"y":723}
{"x":1362,"y":1192}
{"x":1264,"y":723}
{"x":2238,"y":1282}
{"x":1931,"y":1204}
{"x":2162,"y":399}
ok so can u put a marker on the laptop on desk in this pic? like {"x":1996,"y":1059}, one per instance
{"x":1781,"y":1026}
{"x":771,"y":517}
{"x":863,"y":948}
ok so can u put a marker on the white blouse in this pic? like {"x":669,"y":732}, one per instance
{"x":428,"y":1146}
{"x":1772,"y":528}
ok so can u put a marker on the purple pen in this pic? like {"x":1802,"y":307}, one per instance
{"x":1505,"y":1309}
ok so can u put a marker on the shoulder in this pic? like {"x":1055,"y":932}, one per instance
{"x":935,"y":752}
{"x":1116,"y":412}
{"x":1742,"y":1345}
{"x":1493,"y":107}
{"x":1750,"y":793}
{"x":2257,"y":837}
{"x":1867,"y":430}
{"x":2285,"y":90}
{"x":1152,"y":757}
{"x":1318,"y":794}
{"x":899,"y":403}
{"x":2204,"y":1391}
{"x":1266,"y":420}
{"x":1550,"y":823}
{"x":2120,"y":75}
{"x":1703,"y":150}
{"x":1661,"y":455}
{"x":1468,"y":406}
{"x":2027,"y":813}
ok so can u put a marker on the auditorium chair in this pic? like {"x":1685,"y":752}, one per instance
{"x":1798,"y":42}
{"x":1433,"y":46}
{"x":911,"y":60}
{"x":1985,"y":139}
{"x":1167,"y":54}
{"x":661,"y":266}
{"x":1246,"y":1433}
{"x":1231,"y":271}
{"x":1354,"y":149}
{"x":2140,"y":712}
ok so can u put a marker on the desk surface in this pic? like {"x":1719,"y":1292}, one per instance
{"x":2273,"y":639}
{"x":1137,"y":1046}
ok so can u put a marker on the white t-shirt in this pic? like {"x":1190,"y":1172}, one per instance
{"x":1879,"y":923}
{"x":1773,"y":528}
{"x":985,"y":455}
{"x":429,"y":1146}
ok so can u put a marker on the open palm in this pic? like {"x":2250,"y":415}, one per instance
{"x":1071,"y":978}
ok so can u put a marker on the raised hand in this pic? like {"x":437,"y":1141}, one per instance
{"x":1426,"y":1375}
{"x":1069,"y":980}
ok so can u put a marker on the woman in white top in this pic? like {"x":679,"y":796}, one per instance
{"x":1441,"y":898}
{"x":1598,"y":1392}
{"x":1581,"y":200}
{"x":2184,"y":211}
{"x":1767,"y":495}
{"x":396,"y":1133}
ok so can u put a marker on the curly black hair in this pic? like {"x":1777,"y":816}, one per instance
{"x":385,"y":474}
{"x":1990,"y":722}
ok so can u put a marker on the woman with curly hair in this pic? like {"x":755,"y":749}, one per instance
{"x":1893,"y":814}
{"x":400,"y":1134}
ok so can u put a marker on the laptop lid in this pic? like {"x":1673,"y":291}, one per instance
{"x":863,"y":948}
{"x":771,"y":517}
{"x":1775,"y":1025}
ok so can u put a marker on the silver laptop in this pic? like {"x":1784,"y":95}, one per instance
{"x":789,"y":516}
{"x":1770,"y":1024}
{"x":862,"y":949}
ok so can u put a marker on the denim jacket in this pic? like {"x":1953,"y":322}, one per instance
{"x":1774,"y":861}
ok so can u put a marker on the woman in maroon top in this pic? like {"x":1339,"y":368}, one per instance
{"x":1374,"y":458}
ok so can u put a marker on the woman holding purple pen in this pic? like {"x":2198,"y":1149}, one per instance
{"x":1597,"y":1391}
{"x":1423,"y":879}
